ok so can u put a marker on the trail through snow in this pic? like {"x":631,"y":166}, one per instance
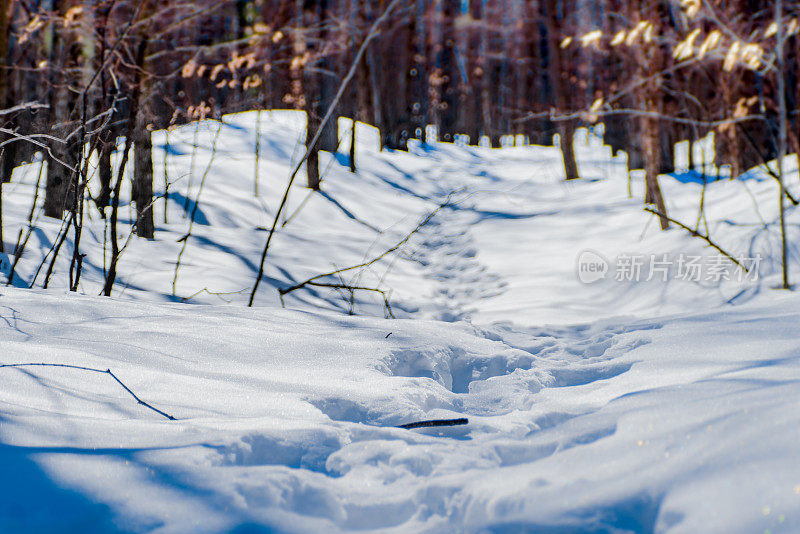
{"x":446,"y":249}
{"x":620,"y":406}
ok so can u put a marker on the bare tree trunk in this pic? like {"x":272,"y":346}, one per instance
{"x":143,"y":177}
{"x":780,"y":63}
{"x":8,"y":160}
{"x":353,"y":147}
{"x":448,"y":114}
{"x":652,"y":148}
{"x":313,"y":120}
{"x":8,"y":152}
{"x":104,"y":172}
{"x":329,"y":139}
{"x":59,"y":190}
{"x":111,"y":275}
{"x":312,"y":163}
{"x":556,"y":72}
{"x":311,"y":91}
{"x":60,"y":186}
{"x":375,"y":96}
{"x":397,"y":78}
{"x":486,"y":65}
{"x":667,"y":141}
{"x":6,"y":155}
{"x":142,"y":190}
{"x":566,"y":131}
{"x":417,"y":88}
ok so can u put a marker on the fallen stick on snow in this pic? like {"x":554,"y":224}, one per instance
{"x":93,"y":370}
{"x":435,"y":422}
{"x":702,"y":236}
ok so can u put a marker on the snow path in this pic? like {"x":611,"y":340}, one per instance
{"x":285,"y":421}
{"x":615,"y":407}
{"x":316,"y":435}
{"x":446,"y":249}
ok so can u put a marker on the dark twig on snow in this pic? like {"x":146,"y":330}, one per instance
{"x":347,"y":287}
{"x":435,"y":422}
{"x":702,"y":236}
{"x":93,"y":370}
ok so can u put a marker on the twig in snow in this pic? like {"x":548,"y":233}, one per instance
{"x":702,"y":236}
{"x":92,"y":370}
{"x":347,"y":287}
{"x":435,"y":422}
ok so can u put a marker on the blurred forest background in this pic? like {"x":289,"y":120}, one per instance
{"x":83,"y":79}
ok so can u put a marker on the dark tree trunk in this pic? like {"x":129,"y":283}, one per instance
{"x":8,"y":160}
{"x":556,"y":70}
{"x":616,"y":134}
{"x":59,"y":189}
{"x":417,"y":88}
{"x":652,"y":157}
{"x":143,"y":178}
{"x":142,"y":141}
{"x":667,"y":138}
{"x":566,"y":132}
{"x":311,"y":84}
{"x":450,"y":75}
{"x":60,"y":186}
{"x":487,"y":66}
{"x":104,"y":173}
{"x":8,"y":152}
{"x":352,"y":158}
{"x":329,"y":139}
{"x":691,"y":140}
{"x":312,"y":162}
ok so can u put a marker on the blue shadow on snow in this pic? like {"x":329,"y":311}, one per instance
{"x":694,"y":177}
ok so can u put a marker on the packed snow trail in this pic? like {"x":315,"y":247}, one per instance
{"x":619,"y":406}
{"x":445,"y":248}
{"x":286,"y":420}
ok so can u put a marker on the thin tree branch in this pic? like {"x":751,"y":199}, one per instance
{"x":347,"y":287}
{"x":93,"y":370}
{"x":702,"y":236}
{"x":23,"y":107}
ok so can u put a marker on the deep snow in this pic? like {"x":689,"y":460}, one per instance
{"x":618,"y":406}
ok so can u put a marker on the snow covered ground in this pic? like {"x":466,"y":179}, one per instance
{"x":660,"y":402}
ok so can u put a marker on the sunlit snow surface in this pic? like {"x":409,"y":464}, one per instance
{"x":618,"y":406}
